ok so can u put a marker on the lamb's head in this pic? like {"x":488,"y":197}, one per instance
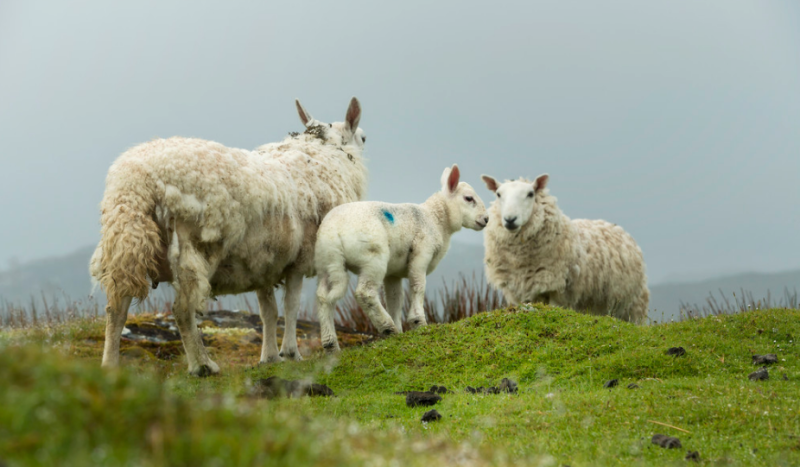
{"x":517,"y":200}
{"x":462,"y":199}
{"x":339,"y":133}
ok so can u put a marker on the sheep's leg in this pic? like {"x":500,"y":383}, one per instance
{"x":368,"y":298}
{"x":192,"y":288}
{"x":291,"y":308}
{"x":393,"y":287}
{"x":268,"y":308}
{"x":331,"y":287}
{"x":115,"y":323}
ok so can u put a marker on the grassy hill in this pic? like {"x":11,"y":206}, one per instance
{"x":562,"y":414}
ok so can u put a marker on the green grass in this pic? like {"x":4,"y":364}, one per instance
{"x":561,"y":416}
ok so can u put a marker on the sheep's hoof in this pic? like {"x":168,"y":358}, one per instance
{"x":270,"y":360}
{"x":204,"y":371}
{"x":291,"y":355}
{"x":389,"y":331}
{"x":330,"y":347}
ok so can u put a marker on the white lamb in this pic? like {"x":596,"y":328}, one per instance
{"x":534,"y":253}
{"x":214,"y":220}
{"x":383,"y":243}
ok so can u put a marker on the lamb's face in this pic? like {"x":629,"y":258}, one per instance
{"x":516,"y":200}
{"x":462,"y":199}
{"x":471,"y":207}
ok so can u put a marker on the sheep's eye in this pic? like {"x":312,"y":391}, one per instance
{"x":363,"y":139}
{"x":330,"y":125}
{"x":498,"y":195}
{"x":530,"y":194}
{"x":469,"y":199}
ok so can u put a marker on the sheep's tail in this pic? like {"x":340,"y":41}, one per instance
{"x":129,"y":246}
{"x":330,"y":266}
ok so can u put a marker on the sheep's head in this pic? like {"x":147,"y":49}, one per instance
{"x":463,"y":197}
{"x":339,"y":133}
{"x":516,"y":199}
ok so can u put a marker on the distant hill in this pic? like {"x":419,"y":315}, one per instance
{"x":68,"y":276}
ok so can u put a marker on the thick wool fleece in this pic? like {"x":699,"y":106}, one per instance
{"x":249,"y":213}
{"x":591,"y":266}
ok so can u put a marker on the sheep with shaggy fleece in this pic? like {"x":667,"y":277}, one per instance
{"x":215,"y":220}
{"x":383,"y":243}
{"x":534,"y":253}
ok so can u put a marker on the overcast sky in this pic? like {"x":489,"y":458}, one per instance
{"x":679,"y":120}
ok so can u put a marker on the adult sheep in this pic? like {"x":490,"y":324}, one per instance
{"x":534,"y":253}
{"x":214,"y":220}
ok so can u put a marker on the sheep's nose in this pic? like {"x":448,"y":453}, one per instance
{"x":510,"y":222}
{"x":485,"y":219}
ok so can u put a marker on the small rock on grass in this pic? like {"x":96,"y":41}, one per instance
{"x":611,"y":383}
{"x":759,"y":375}
{"x":765,"y":359}
{"x":438,"y":389}
{"x":274,"y":387}
{"x":692,"y":456}
{"x":676,"y":351}
{"x":633,"y":386}
{"x":665,"y":441}
{"x":431,"y":416}
{"x":506,"y":385}
{"x":417,"y":398}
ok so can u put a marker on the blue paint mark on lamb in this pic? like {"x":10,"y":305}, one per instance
{"x":388,"y":215}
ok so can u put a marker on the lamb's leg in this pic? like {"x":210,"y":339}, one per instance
{"x":291,"y":308}
{"x":115,"y":323}
{"x":331,"y":287}
{"x":268,"y":308}
{"x":367,"y":296}
{"x":393,"y":287}
{"x":192,"y":288}
{"x":417,"y":275}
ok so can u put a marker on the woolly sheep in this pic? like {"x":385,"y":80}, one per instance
{"x":384,"y":243}
{"x":214,"y":220}
{"x":534,"y":253}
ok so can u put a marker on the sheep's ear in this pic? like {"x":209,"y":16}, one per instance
{"x":353,"y":114}
{"x":450,"y":178}
{"x":541,"y":182}
{"x":491,"y":183}
{"x":305,"y":117}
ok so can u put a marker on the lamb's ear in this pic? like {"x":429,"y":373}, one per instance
{"x":450,"y":178}
{"x":491,"y":183}
{"x":305,"y":117}
{"x":353,"y":114}
{"x":541,"y":182}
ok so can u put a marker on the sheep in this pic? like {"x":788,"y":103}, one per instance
{"x":534,"y":253}
{"x":214,"y":220}
{"x":384,"y":243}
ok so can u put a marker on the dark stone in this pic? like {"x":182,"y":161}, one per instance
{"x":759,"y":375}
{"x":633,"y":386}
{"x":665,"y":441}
{"x":785,"y":378}
{"x":507,"y":385}
{"x":765,"y":359}
{"x":431,"y":416}
{"x":274,"y":387}
{"x":438,"y":390}
{"x":471,"y":390}
{"x":425,"y":399}
{"x":692,"y":456}
{"x":611,"y":383}
{"x":676,"y":351}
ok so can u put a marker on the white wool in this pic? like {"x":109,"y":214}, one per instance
{"x":215,"y":220}
{"x":534,"y":253}
{"x":383,"y":243}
